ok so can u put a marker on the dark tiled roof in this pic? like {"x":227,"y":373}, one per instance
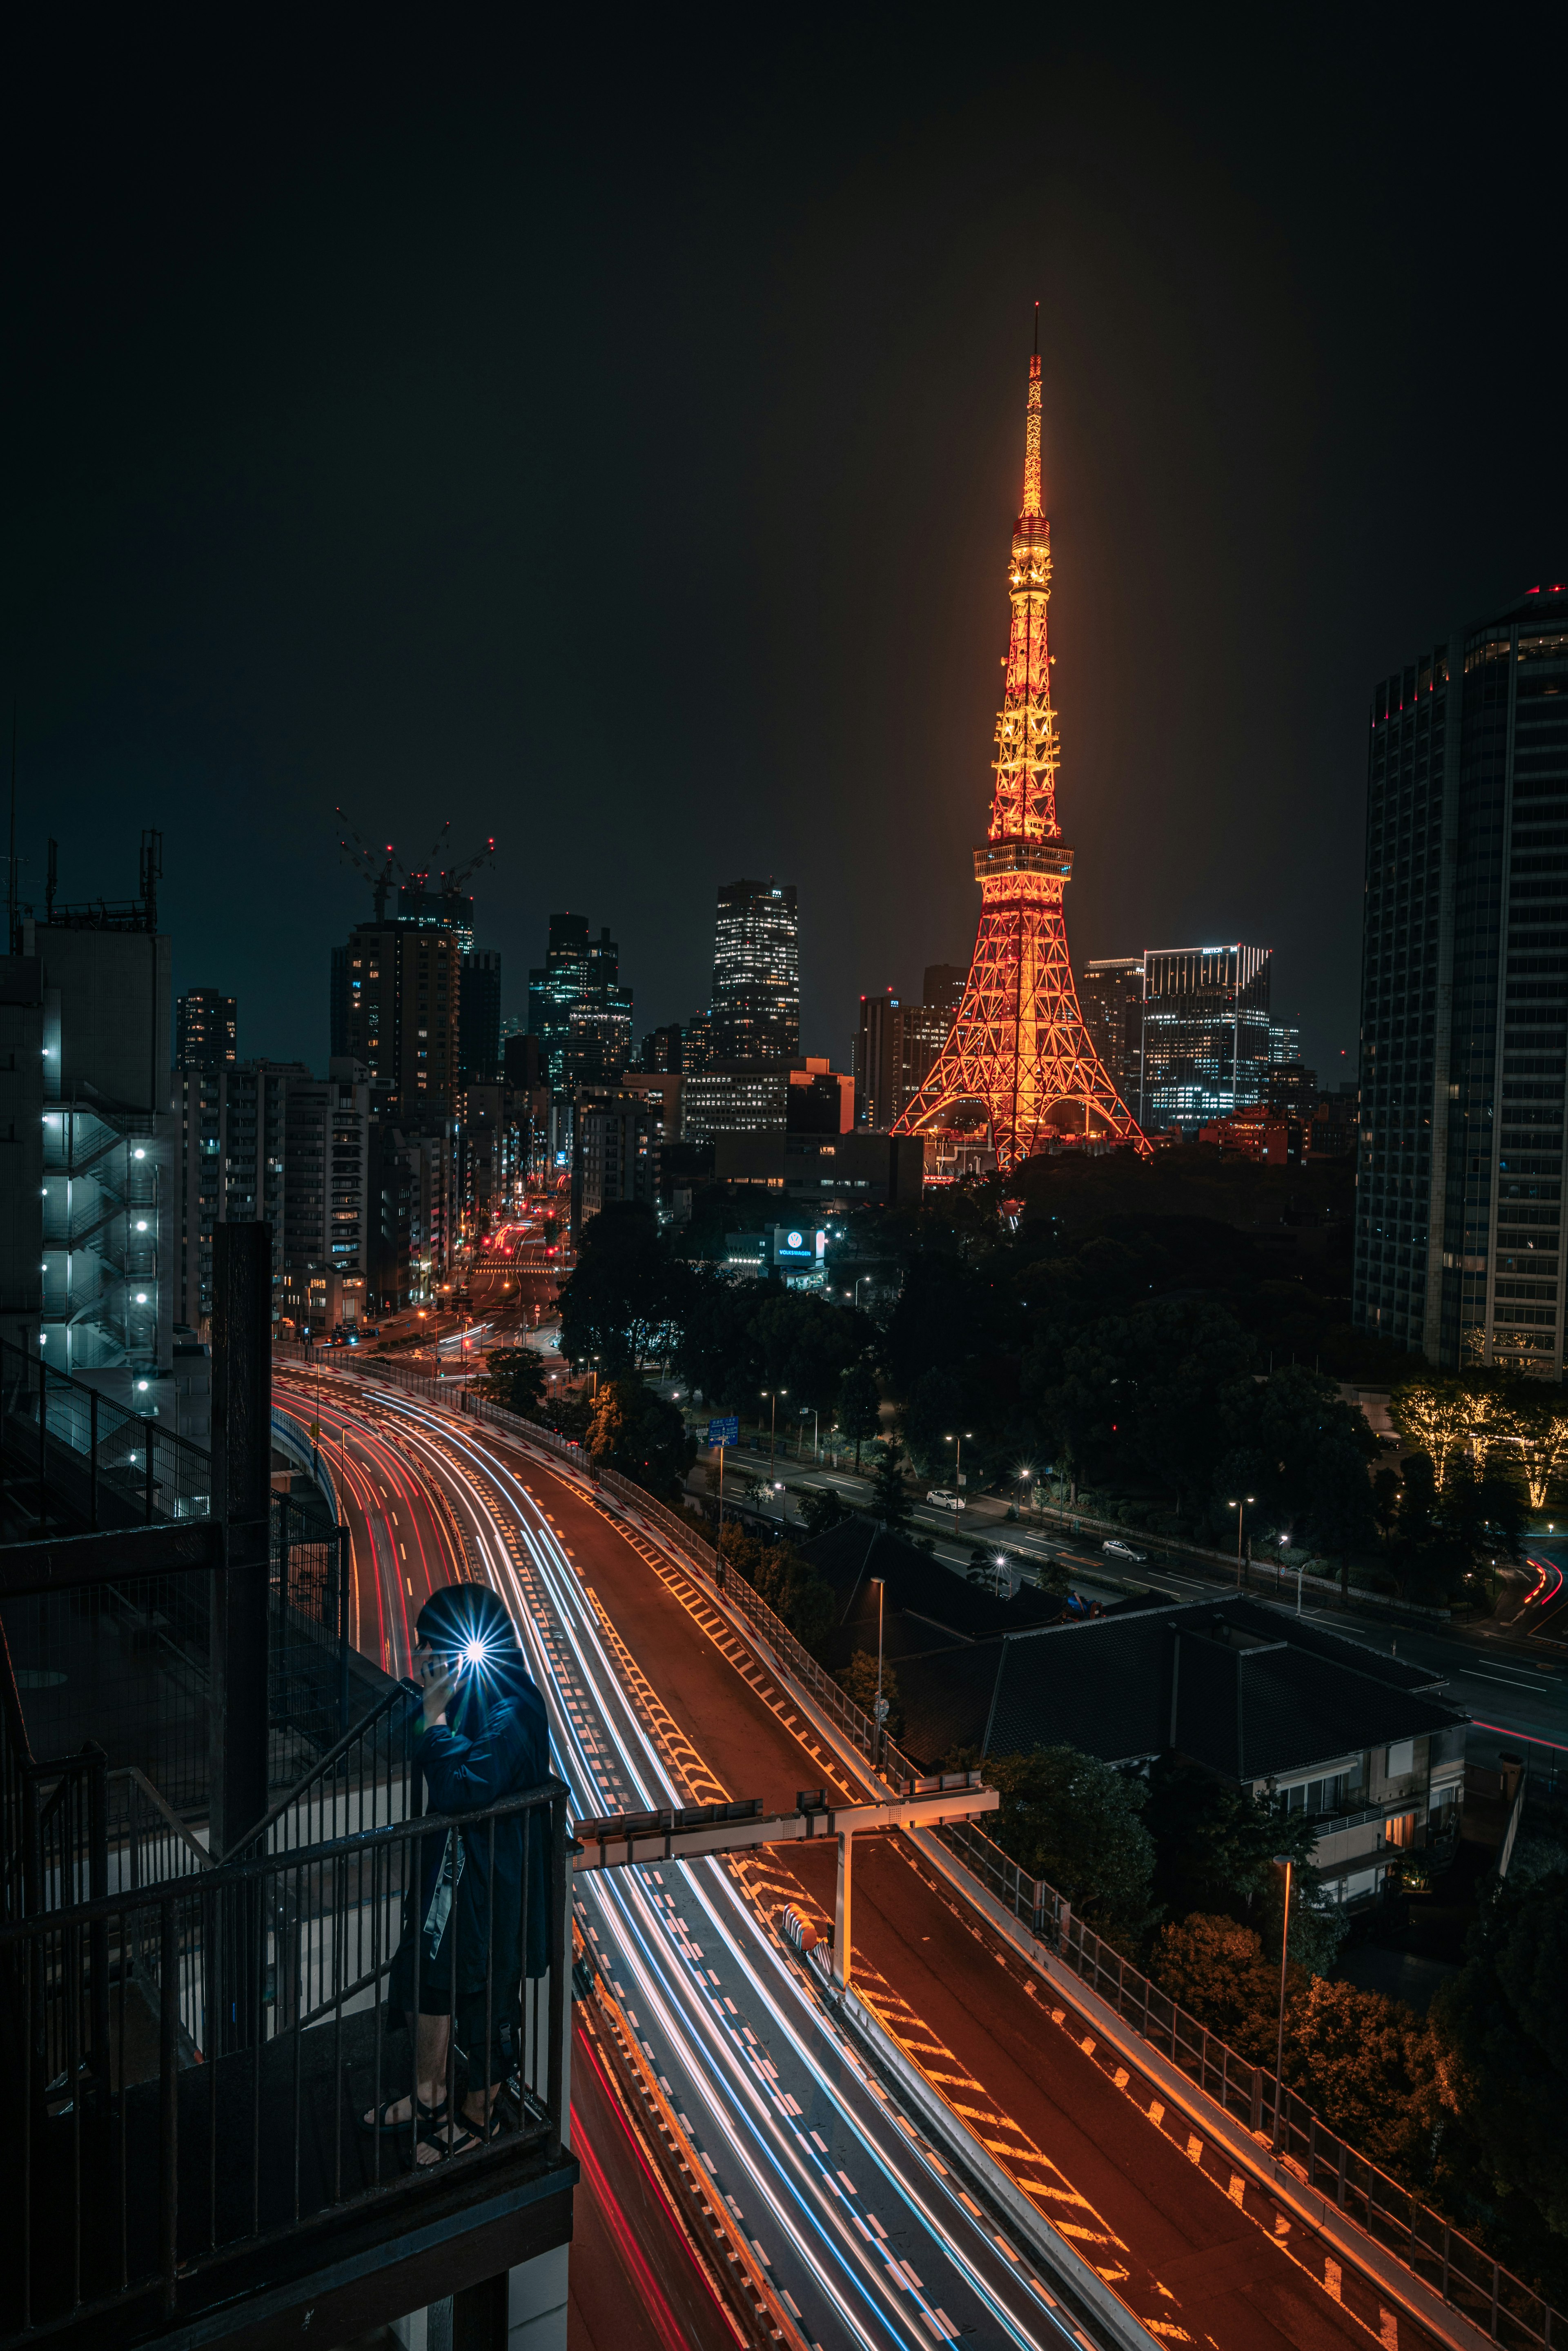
{"x":943,"y":1636}
{"x":1237,"y":1686}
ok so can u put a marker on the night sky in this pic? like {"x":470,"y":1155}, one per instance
{"x":610,"y":439}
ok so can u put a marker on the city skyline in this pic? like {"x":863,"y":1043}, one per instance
{"x":277,"y":551}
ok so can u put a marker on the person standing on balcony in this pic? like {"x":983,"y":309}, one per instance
{"x":480,"y":1917}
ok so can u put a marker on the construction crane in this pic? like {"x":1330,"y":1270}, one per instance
{"x":381,"y":867}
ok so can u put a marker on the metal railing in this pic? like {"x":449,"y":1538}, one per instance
{"x":1491,"y":2298}
{"x":67,"y":1449}
{"x":193,"y":2058}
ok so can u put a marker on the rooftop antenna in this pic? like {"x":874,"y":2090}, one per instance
{"x":52,"y":880}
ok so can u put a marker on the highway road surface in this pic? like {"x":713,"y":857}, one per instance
{"x":863,"y":2230}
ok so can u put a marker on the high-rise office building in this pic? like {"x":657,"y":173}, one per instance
{"x":877,"y":1061}
{"x":232,"y":1163}
{"x":578,"y":1008}
{"x":1206,"y":1032}
{"x":1111,"y":996}
{"x":1465,"y":996}
{"x":479,"y":1018}
{"x":1284,"y":1041}
{"x":396,"y":1007}
{"x":206,"y":1030}
{"x":756,"y":1011}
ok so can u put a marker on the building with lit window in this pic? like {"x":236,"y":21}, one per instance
{"x":205,"y":1030}
{"x":577,"y":1010}
{"x":479,"y":1018}
{"x":1205,"y":1034}
{"x":1111,"y":997}
{"x":756,"y":1011}
{"x":764,"y":1098}
{"x":396,"y":1007}
{"x":877,"y":1061}
{"x":1465,"y":996}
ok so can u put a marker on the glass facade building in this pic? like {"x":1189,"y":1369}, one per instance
{"x":1206,"y":1032}
{"x":1465,"y":996}
{"x":578,"y":1008}
{"x":1111,"y":997}
{"x":756,"y":1011}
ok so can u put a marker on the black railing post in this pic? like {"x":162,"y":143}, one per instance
{"x":342,"y":1630}
{"x":42,"y":1443}
{"x":169,"y":2100}
{"x":92,"y":1461}
{"x":147,"y":1428}
{"x":98,"y":1933}
{"x":242,"y":1496}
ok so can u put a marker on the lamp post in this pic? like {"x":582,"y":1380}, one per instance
{"x":1240,"y":1507}
{"x":773,"y":1394}
{"x":957,"y":1444}
{"x":1281,"y":1861}
{"x":880,"y":1711}
{"x":1301,"y":1564}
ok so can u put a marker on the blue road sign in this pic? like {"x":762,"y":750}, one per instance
{"x":725,"y":1432}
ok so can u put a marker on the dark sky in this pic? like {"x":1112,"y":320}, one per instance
{"x":609,"y":438}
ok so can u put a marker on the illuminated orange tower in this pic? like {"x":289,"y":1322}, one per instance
{"x":1017,"y":1058}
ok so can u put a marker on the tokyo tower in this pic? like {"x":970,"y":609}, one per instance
{"x":1019,"y":1059}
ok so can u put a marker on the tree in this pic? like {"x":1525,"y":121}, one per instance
{"x":807,"y":1342}
{"x":719,"y":1350}
{"x":823,"y":1508}
{"x":516,"y":1380}
{"x":857,"y":1681}
{"x":626,"y":1301}
{"x":1502,"y":2025}
{"x":860,"y":1406}
{"x":1215,"y":1844}
{"x":789,"y":1585}
{"x":1446,"y":1416}
{"x":889,"y":1494}
{"x":1076,"y":1822}
{"x":1529,"y":1428}
{"x":642,"y":1435}
{"x":1215,"y":1967}
{"x":935,"y":1412}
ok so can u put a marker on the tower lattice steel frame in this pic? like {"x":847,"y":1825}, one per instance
{"x":1018,"y":1057}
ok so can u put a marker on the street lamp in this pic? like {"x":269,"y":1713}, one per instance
{"x":1241,"y":1508}
{"x":1281,"y":1861}
{"x":958,"y":1443}
{"x":1300,"y":1564}
{"x":773,"y":1424}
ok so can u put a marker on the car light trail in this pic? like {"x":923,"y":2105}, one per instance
{"x":797,"y":2135}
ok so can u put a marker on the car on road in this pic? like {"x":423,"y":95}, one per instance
{"x":940,"y":1498}
{"x":1116,"y":1549}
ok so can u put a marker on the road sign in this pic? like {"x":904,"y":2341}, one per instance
{"x":725,"y":1432}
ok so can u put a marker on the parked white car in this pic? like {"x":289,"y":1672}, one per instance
{"x":944,"y":1501}
{"x":1119,"y":1549}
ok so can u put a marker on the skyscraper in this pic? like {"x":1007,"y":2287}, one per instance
{"x":396,"y":1005}
{"x":877,"y":1061}
{"x":554,"y":986}
{"x":479,"y":1018}
{"x":1112,"y":995}
{"x":1206,"y":1032}
{"x":205,"y":1030}
{"x":1465,"y":996}
{"x":756,"y":1013}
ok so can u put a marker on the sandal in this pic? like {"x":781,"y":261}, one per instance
{"x":441,"y":2146}
{"x":382,"y":2120}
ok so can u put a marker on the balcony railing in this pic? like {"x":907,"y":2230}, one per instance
{"x":193,"y":2058}
{"x":71,"y":1455}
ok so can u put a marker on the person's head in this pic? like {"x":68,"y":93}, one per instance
{"x":467,"y":1628}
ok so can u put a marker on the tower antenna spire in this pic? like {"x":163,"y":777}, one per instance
{"x":1033,"y":502}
